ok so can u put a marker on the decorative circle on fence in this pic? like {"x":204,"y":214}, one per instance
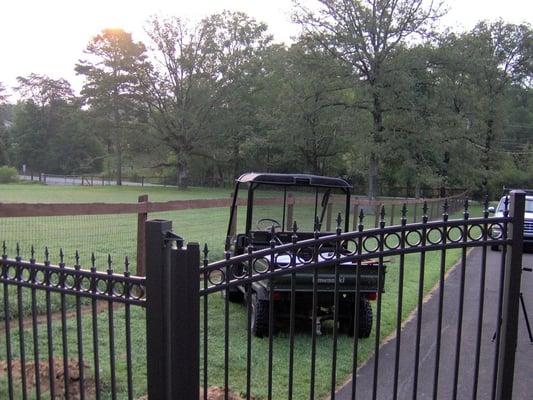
{"x":283,"y":260}
{"x":413,"y":238}
{"x":261,"y":265}
{"x":25,"y":275}
{"x":70,"y":281}
{"x":118,"y":289}
{"x":393,"y":237}
{"x":455,"y":234}
{"x":475,"y":232}
{"x":101,"y":286}
{"x":216,"y":277}
{"x":85,"y":284}
{"x":11,"y":272}
{"x":39,"y":277}
{"x":434,"y":236}
{"x":136,"y":291}
{"x":305,"y":255}
{"x":325,"y":251}
{"x":495,"y":231}
{"x":53,"y":279}
{"x":371,"y":244}
{"x":350,"y":246}
{"x":238,"y":271}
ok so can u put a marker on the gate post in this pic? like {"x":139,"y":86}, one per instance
{"x":511,"y":297}
{"x":142,"y":217}
{"x":172,"y":314}
{"x":158,"y":303}
{"x":185,"y":322}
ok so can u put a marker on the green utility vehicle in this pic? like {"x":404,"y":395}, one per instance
{"x":274,"y":202}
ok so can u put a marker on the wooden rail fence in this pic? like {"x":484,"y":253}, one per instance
{"x":143,"y":207}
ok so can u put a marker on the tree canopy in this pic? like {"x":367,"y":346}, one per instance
{"x":369,"y":91}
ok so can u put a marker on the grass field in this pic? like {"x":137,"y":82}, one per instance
{"x":116,"y":235}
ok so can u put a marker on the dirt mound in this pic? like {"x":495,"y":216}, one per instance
{"x":213,"y":393}
{"x":59,"y":378}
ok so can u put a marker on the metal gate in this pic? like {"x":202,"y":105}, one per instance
{"x":191,"y":352}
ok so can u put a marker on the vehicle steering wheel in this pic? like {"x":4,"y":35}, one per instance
{"x":266,"y":224}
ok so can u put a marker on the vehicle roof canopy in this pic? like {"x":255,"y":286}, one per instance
{"x":294,"y":180}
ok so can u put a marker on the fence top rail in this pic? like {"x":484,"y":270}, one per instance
{"x":116,"y":287}
{"x":461,"y":229}
{"x":65,"y":209}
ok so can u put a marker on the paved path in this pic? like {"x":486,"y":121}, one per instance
{"x":523,"y":388}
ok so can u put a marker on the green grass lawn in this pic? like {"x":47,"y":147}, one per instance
{"x":116,"y":235}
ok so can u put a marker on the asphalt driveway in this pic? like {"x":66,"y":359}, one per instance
{"x":523,"y":386}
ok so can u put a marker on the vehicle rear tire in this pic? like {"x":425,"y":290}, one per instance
{"x":365,"y":318}
{"x":259,"y":317}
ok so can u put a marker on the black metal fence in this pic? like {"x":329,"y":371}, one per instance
{"x":53,"y":329}
{"x":200,"y":356}
{"x":197,"y":340}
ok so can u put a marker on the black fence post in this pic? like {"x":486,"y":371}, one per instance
{"x":172,"y":314}
{"x":158,"y":339}
{"x":511,"y":297}
{"x":185,"y":322}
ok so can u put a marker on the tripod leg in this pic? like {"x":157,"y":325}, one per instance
{"x":526,"y":318}
{"x":496,"y":332}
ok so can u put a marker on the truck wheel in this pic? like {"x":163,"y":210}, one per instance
{"x":234,"y":295}
{"x":365,"y":318}
{"x":259,"y":317}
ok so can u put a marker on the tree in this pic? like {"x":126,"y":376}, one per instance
{"x":478,"y":73}
{"x":4,"y":158}
{"x":308,"y":116}
{"x":365,"y":35}
{"x":112,"y":86}
{"x":203,"y":84}
{"x":50,"y":132}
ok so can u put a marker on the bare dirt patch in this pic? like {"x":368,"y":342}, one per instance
{"x":58,"y":379}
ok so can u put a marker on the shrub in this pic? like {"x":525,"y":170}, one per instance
{"x":8,"y":174}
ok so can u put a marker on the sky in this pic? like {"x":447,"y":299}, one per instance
{"x":48,"y":37}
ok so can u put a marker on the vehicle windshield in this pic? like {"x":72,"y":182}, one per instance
{"x":529,"y":205}
{"x":281,"y":206}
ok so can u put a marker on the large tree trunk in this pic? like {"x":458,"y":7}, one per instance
{"x":119,"y":165}
{"x":372,"y":175}
{"x":182,"y":175}
{"x":373,"y":165}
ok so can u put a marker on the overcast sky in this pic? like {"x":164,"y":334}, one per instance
{"x":48,"y":36}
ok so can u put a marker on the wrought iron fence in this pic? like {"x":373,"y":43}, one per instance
{"x":329,"y":260}
{"x":189,"y":330}
{"x":38,"y":322}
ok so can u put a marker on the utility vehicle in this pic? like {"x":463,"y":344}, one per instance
{"x":311,"y":201}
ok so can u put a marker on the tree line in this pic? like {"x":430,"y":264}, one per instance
{"x":369,"y":90}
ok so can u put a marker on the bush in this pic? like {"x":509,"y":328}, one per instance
{"x":8,"y":174}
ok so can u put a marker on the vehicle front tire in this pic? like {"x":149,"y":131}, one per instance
{"x":234,"y":295}
{"x":259,"y":316}
{"x":365,"y":318}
